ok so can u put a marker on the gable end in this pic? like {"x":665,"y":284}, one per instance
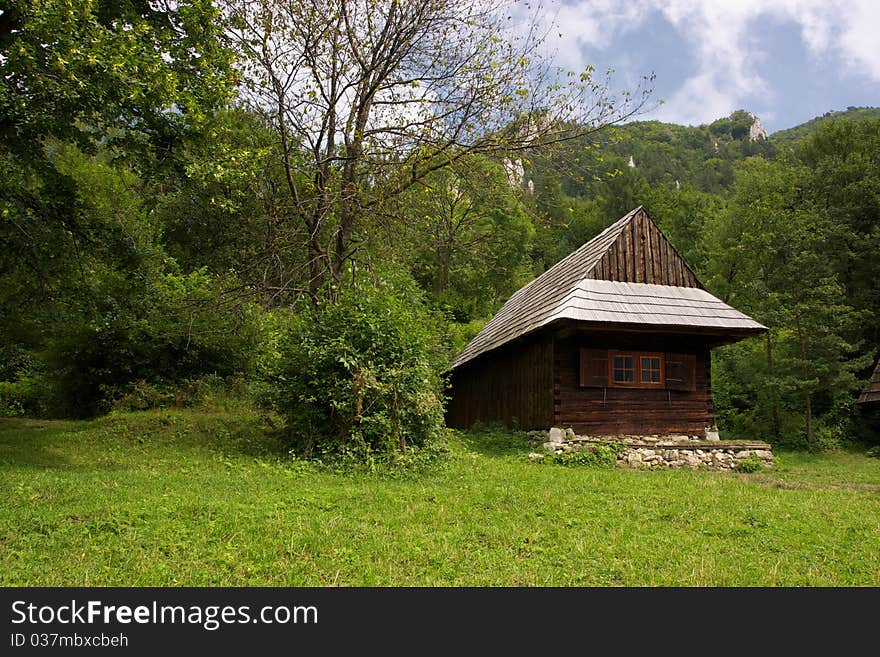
{"x":642,"y":254}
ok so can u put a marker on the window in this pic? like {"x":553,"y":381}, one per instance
{"x":622,"y":369}
{"x":636,"y":369}
{"x":650,"y":369}
{"x":618,"y":368}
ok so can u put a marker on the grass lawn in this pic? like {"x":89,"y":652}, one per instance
{"x":186,"y":498}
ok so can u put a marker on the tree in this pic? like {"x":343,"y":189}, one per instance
{"x":843,"y":158}
{"x":368,"y":97}
{"x":682,"y":214}
{"x":91,"y":73}
{"x":768,"y":252}
{"x":80,"y":70}
{"x":466,"y":237}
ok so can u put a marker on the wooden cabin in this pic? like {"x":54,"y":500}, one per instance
{"x":870,"y":397}
{"x":613,"y":339}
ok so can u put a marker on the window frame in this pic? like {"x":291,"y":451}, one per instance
{"x":637,"y":369}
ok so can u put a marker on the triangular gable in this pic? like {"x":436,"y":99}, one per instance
{"x":871,"y":393}
{"x":631,"y":250}
{"x":642,"y":254}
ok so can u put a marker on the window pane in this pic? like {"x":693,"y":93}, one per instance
{"x":623,"y":370}
{"x":650,"y":369}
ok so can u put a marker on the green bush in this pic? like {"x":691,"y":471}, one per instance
{"x":207,"y":392}
{"x":176,"y":328}
{"x":750,"y":464}
{"x":359,"y":376}
{"x":600,"y":455}
{"x":30,"y":395}
{"x":24,"y":388}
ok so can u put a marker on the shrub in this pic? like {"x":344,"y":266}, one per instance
{"x":359,"y":376}
{"x":207,"y":392}
{"x":600,"y":455}
{"x":750,"y":464}
{"x":30,"y":395}
{"x":24,"y":388}
{"x":176,"y":328}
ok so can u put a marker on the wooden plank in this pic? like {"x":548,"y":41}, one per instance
{"x":661,"y":264}
{"x":682,"y":271}
{"x":632,"y":256}
{"x":614,"y":273}
{"x":655,"y":258}
{"x":649,"y":257}
{"x":630,"y":410}
{"x":637,"y":249}
{"x":668,"y":265}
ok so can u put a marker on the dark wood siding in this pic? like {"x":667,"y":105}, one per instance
{"x":512,"y":385}
{"x":615,"y":410}
{"x":643,"y":255}
{"x":871,"y":394}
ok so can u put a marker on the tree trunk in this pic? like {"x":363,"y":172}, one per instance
{"x":808,"y":396}
{"x":774,"y":397}
{"x":811,"y":440}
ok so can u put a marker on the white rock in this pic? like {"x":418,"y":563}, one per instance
{"x":556,"y":436}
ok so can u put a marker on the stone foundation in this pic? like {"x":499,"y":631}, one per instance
{"x":661,"y":451}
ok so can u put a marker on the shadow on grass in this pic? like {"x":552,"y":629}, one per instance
{"x":495,"y":440}
{"x":36,"y":443}
{"x":28,"y":443}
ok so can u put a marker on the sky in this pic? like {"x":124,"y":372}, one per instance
{"x":786,"y":61}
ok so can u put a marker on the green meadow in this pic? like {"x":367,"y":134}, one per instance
{"x":186,"y":498}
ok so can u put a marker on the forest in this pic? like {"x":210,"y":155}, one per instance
{"x":315,"y":209}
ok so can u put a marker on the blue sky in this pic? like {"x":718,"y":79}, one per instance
{"x":785,"y":60}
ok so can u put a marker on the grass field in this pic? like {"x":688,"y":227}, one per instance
{"x":185,"y":498}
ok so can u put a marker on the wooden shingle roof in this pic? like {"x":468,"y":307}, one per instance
{"x":871,"y":394}
{"x":628,"y":274}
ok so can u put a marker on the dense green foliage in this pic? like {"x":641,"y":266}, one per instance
{"x":360,"y":375}
{"x":157,"y":222}
{"x":173,"y":498}
{"x":793,"y":136}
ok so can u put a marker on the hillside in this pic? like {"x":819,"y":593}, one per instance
{"x":671,"y":155}
{"x":792,"y":136}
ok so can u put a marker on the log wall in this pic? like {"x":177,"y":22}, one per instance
{"x":512,"y":385}
{"x":639,"y":411}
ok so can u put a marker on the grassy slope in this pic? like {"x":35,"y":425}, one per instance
{"x":185,"y":498}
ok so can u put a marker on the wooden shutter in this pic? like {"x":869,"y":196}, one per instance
{"x":681,"y":372}
{"x":594,"y":368}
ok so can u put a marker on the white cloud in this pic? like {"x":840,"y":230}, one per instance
{"x":718,"y":35}
{"x":858,"y":40}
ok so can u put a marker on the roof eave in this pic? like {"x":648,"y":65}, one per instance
{"x":723,"y":335}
